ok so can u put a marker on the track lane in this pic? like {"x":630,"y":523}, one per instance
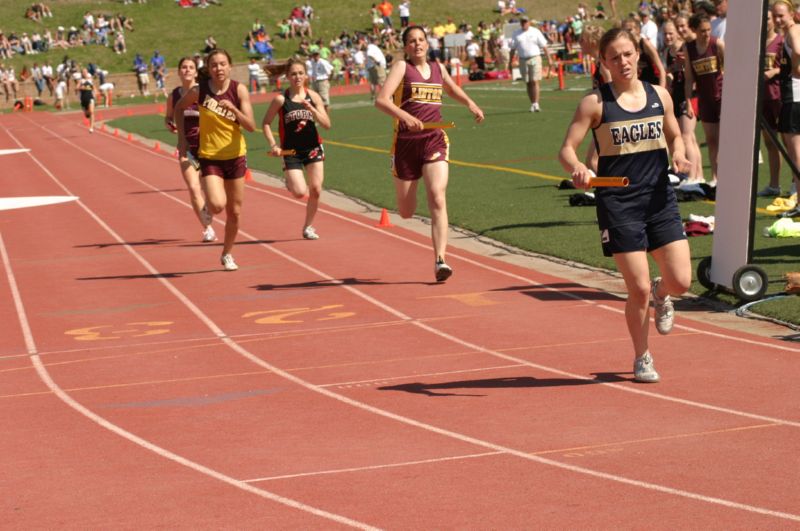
{"x":365,"y":288}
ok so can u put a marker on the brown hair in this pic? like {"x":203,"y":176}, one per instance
{"x":407,"y":31}
{"x":698,"y":19}
{"x":295,"y":61}
{"x":614,"y":34}
{"x":187,"y":58}
{"x":203,"y":74}
{"x":592,"y":33}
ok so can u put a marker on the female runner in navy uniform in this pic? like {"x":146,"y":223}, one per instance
{"x":412,"y":95}
{"x":633,"y":124}
{"x":190,"y":169}
{"x":299,"y":109}
{"x":85,"y":89}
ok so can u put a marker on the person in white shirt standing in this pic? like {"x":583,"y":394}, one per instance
{"x":718,"y":24}
{"x":376,"y":67}
{"x":649,"y":29}
{"x":320,"y":73}
{"x":528,"y":42}
{"x":405,"y":13}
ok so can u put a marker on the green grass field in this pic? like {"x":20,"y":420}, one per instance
{"x":503,"y":178}
{"x":175,"y":32}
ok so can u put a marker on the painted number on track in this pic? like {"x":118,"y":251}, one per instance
{"x":110,"y":332}
{"x":299,"y":315}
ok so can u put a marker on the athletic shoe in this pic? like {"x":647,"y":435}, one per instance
{"x":664,"y":310}
{"x":643,"y":369}
{"x":770,"y":191}
{"x":793,"y":213}
{"x":205,"y":216}
{"x":310,"y":234}
{"x":536,"y":107}
{"x":533,"y":107}
{"x":209,"y":235}
{"x":228,"y":263}
{"x":442,"y":271}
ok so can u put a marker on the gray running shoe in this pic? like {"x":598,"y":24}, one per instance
{"x":643,"y":369}
{"x":228,"y":263}
{"x":769,"y":191}
{"x":664,"y":310}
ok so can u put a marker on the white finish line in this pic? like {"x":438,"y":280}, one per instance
{"x":10,"y":203}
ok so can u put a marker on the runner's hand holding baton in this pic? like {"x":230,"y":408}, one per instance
{"x":585,"y":178}
{"x":278,"y":152}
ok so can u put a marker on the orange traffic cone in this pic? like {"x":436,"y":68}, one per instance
{"x":176,"y":154}
{"x":130,"y":137}
{"x":130,"y":112}
{"x":248,"y":176}
{"x":157,"y":147}
{"x":384,"y":222}
{"x":116,"y":132}
{"x":103,"y":127}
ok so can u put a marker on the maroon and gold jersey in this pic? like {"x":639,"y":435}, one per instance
{"x":220,"y":135}
{"x":191,"y":119}
{"x":420,"y":97}
{"x":707,"y":71}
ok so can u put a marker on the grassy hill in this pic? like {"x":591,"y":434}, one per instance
{"x":162,"y":25}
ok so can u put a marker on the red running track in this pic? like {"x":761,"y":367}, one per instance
{"x":331,"y":384}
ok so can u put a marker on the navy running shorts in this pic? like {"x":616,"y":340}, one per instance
{"x":664,"y":228}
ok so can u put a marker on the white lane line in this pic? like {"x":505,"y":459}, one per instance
{"x":101,"y":421}
{"x":429,"y":427}
{"x":13,"y":151}
{"x":374,"y":467}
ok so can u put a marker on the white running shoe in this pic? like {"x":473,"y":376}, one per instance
{"x":644,"y":370}
{"x":209,"y":235}
{"x":310,"y":234}
{"x":442,"y":271}
{"x":533,"y":107}
{"x":536,"y":107}
{"x":664,"y":310}
{"x":228,"y":263}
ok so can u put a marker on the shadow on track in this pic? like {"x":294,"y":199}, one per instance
{"x":490,"y":383}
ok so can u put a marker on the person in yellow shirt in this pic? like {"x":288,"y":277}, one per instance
{"x":450,"y":27}
{"x":224,"y":110}
{"x":438,"y":30}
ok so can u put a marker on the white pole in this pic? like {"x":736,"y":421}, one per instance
{"x":738,"y":160}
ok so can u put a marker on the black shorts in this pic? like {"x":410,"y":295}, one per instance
{"x":789,"y":120}
{"x":649,"y":235}
{"x":303,"y":158}
{"x":86,"y":100}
